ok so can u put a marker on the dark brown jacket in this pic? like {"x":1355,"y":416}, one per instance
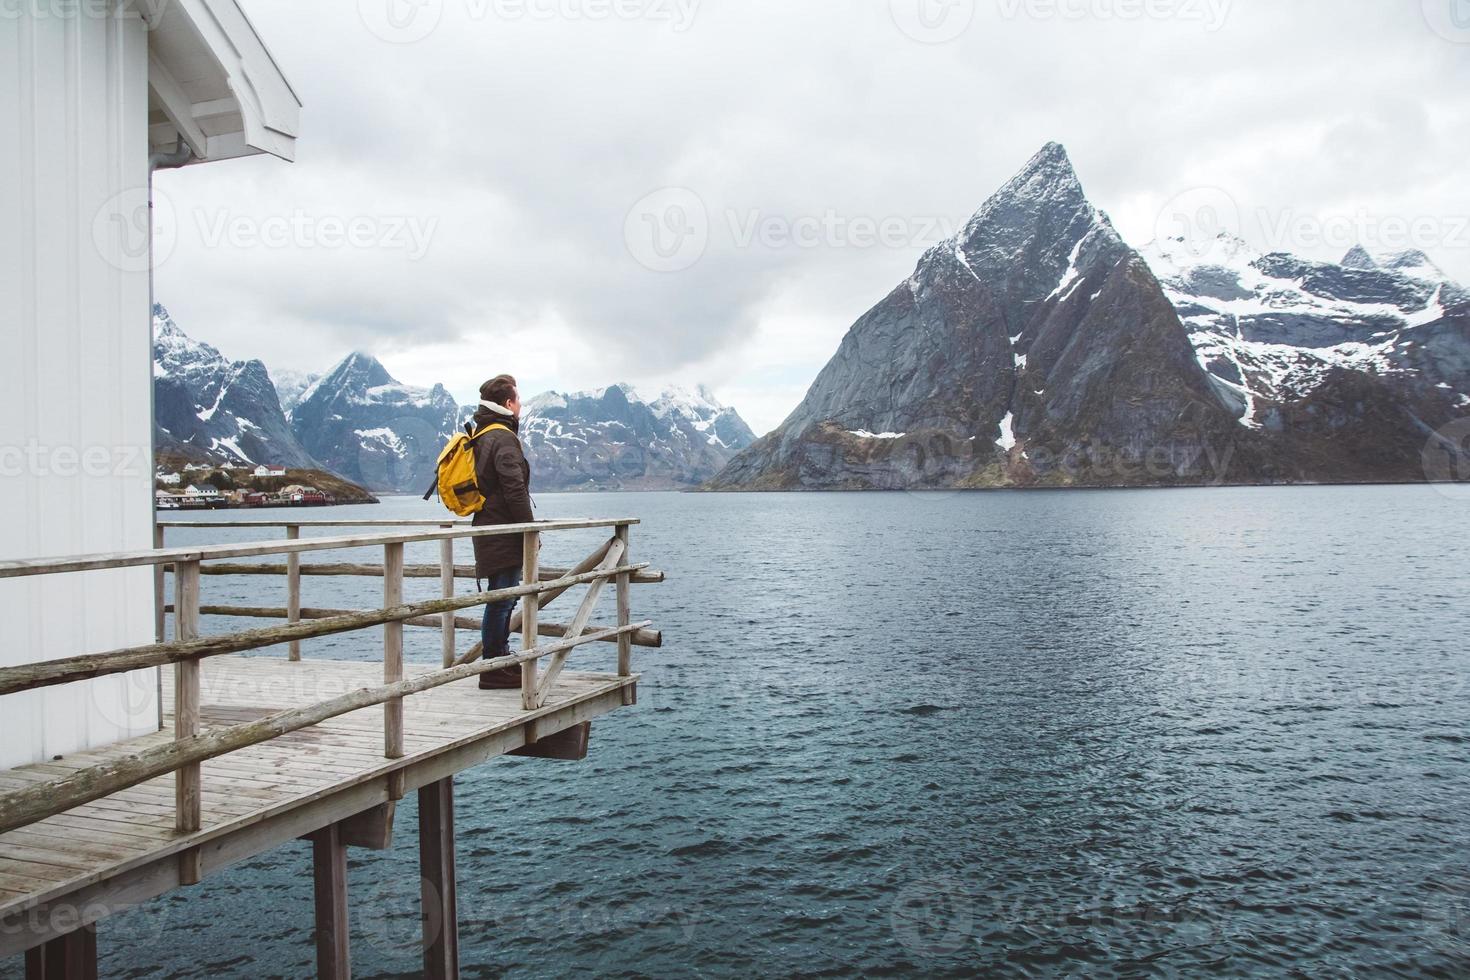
{"x":505,"y":480}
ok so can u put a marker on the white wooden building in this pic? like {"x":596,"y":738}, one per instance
{"x":95,"y":95}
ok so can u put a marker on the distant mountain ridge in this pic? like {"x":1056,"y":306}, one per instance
{"x":614,"y":439}
{"x":208,"y":408}
{"x":362,"y":424}
{"x":1274,"y":330}
{"x":1036,"y":347}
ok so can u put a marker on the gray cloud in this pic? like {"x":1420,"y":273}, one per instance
{"x":525,"y":141}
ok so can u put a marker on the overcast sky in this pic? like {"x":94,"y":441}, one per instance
{"x":681,"y":191}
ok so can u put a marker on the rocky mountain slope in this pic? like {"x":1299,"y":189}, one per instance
{"x":1275,"y":330}
{"x":363,"y":424}
{"x":208,"y":408}
{"x":613,"y":439}
{"x":1037,"y":348}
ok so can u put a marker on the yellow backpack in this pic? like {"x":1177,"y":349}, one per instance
{"x":456,"y":482}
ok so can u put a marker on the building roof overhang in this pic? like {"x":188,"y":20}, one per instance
{"x":213,"y":83}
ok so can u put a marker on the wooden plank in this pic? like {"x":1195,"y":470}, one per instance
{"x":133,"y":559}
{"x":26,"y":854}
{"x":643,"y":638}
{"x":329,"y":876}
{"x":530,"y":608}
{"x":121,"y":886}
{"x":21,"y":807}
{"x":16,"y":882}
{"x":356,"y":570}
{"x":437,"y":877}
{"x":94,"y":844}
{"x":363,"y":523}
{"x":53,"y":672}
{"x":293,"y":591}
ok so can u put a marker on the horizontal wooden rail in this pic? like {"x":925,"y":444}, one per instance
{"x":346,"y":570}
{"x":22,"y":807}
{"x":50,"y":673}
{"x":643,"y":638}
{"x":285,"y":546}
{"x":315,"y":523}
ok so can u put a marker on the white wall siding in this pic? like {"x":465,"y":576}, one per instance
{"x":75,"y":367}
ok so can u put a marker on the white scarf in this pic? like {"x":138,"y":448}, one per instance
{"x":498,"y":409}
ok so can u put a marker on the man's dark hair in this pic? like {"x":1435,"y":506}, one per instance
{"x":499,"y":390}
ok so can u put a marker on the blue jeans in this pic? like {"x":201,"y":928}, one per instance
{"x":495,"y":630}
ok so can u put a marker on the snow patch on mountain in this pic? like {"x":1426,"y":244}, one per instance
{"x":614,"y":437}
{"x":373,"y":429}
{"x":210,"y":407}
{"x":1271,"y":328}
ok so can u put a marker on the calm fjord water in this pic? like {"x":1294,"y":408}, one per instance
{"x":1111,"y":733}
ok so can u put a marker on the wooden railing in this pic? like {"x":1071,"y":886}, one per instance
{"x":189,"y":648}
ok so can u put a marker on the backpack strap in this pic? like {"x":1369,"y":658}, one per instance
{"x":488,"y":428}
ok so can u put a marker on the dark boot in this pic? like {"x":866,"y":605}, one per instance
{"x":506,"y":679}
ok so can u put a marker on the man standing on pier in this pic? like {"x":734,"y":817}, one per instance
{"x":504,"y":478}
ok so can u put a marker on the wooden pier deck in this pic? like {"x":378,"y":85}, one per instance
{"x":259,"y":749}
{"x":123,"y":849}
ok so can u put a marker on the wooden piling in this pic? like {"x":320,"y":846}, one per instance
{"x":69,"y":957}
{"x":438,"y":886}
{"x":329,"y":874}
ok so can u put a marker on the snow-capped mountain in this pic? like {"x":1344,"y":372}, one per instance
{"x":1274,"y":329}
{"x":209,"y":408}
{"x":291,"y":385}
{"x":369,"y":428}
{"x":1037,"y":348}
{"x":613,"y":439}
{"x":360,"y":423}
{"x":1033,"y":347}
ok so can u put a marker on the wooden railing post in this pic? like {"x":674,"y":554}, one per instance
{"x":293,"y":590}
{"x":160,"y":608}
{"x":446,"y":581}
{"x":625,"y":614}
{"x":530,"y":609}
{"x":159,"y":600}
{"x":188,"y":811}
{"x":393,"y":662}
